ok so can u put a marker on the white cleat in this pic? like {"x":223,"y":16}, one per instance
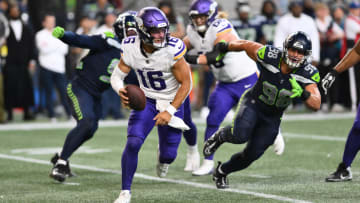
{"x":192,"y":159}
{"x":205,"y":169}
{"x":279,"y":144}
{"x":162,"y":169}
{"x":124,"y":197}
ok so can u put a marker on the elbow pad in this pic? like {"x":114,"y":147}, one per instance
{"x":117,"y":79}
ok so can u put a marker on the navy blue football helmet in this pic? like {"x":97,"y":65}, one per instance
{"x":125,"y":24}
{"x":301,"y":42}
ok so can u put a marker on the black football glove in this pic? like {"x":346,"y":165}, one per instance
{"x":192,"y":59}
{"x":218,"y":53}
{"x":328,"y":80}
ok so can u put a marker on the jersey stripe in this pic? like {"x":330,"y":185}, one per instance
{"x":180,"y":53}
{"x":224,"y":30}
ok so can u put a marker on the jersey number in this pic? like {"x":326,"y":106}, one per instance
{"x":155,"y":80}
{"x":110,"y":69}
{"x":272,"y":96}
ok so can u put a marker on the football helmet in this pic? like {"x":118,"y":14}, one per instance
{"x":301,"y":42}
{"x":125,"y":25}
{"x":152,"y":20}
{"x":203,"y":7}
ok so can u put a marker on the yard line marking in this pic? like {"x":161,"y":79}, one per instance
{"x":314,"y":137}
{"x":122,"y":123}
{"x":147,"y":177}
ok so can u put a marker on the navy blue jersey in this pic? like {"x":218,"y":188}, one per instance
{"x":94,"y":71}
{"x":273,"y":89}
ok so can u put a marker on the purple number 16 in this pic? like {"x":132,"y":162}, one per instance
{"x":155,"y":80}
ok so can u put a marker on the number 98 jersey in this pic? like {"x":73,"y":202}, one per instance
{"x":154,"y":70}
{"x":273,"y":89}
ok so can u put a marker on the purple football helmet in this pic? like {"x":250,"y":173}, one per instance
{"x":203,"y":7}
{"x":152,"y":20}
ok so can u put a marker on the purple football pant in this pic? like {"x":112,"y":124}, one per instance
{"x":352,"y":145}
{"x":224,"y":97}
{"x":189,"y":135}
{"x":139,"y":126}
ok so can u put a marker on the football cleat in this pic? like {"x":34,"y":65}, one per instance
{"x":213,"y":143}
{"x":124,"y":197}
{"x":340,"y":175}
{"x":279,"y":144}
{"x":205,"y":169}
{"x":59,"y":171}
{"x":54,"y":160}
{"x":220,"y":179}
{"x":161,"y":169}
{"x":192,"y":159}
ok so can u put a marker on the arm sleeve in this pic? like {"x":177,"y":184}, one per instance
{"x":95,"y":42}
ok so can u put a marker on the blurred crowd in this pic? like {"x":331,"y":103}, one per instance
{"x":35,"y":67}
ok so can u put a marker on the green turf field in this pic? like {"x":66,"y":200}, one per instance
{"x":313,"y":150}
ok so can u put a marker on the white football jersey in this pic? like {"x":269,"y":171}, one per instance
{"x":236,"y":65}
{"x":154,"y":70}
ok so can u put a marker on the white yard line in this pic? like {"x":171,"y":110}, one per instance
{"x":147,"y":177}
{"x":122,"y":123}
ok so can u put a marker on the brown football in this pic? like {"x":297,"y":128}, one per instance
{"x":137,"y":99}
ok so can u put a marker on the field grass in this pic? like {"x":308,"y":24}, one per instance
{"x":313,"y":150}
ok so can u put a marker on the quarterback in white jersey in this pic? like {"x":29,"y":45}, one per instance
{"x":235,"y":72}
{"x":165,"y":78}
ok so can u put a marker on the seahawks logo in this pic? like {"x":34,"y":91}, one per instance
{"x":298,"y":45}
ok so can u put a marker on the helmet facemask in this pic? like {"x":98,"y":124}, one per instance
{"x":300,"y":45}
{"x":204,"y":8}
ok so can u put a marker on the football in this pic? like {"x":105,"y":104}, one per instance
{"x":136,"y":97}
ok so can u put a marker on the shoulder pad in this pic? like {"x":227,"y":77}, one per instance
{"x":221,"y":26}
{"x":269,"y":55}
{"x":308,"y":74}
{"x":108,"y":35}
{"x":177,"y":47}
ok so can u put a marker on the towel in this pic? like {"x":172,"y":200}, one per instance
{"x":175,"y":121}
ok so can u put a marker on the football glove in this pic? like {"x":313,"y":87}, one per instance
{"x":58,"y":32}
{"x":328,"y":80}
{"x":297,"y":90}
{"x":218,"y":53}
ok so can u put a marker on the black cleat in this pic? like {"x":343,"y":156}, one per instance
{"x":340,"y":175}
{"x":68,"y":172}
{"x":221,"y":180}
{"x":213,"y":143}
{"x":59,"y":172}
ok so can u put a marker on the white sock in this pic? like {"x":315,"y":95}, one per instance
{"x":192,"y":149}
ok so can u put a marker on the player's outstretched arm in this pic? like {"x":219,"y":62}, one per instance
{"x":350,"y":59}
{"x":314,"y":100}
{"x":251,"y":48}
{"x":117,"y":81}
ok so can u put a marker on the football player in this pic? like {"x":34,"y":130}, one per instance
{"x":352,"y":146}
{"x":91,"y":79}
{"x":285,"y":74}
{"x":235,"y":73}
{"x":165,"y":78}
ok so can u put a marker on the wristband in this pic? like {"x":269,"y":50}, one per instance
{"x":171,"y":110}
{"x":305,"y":95}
